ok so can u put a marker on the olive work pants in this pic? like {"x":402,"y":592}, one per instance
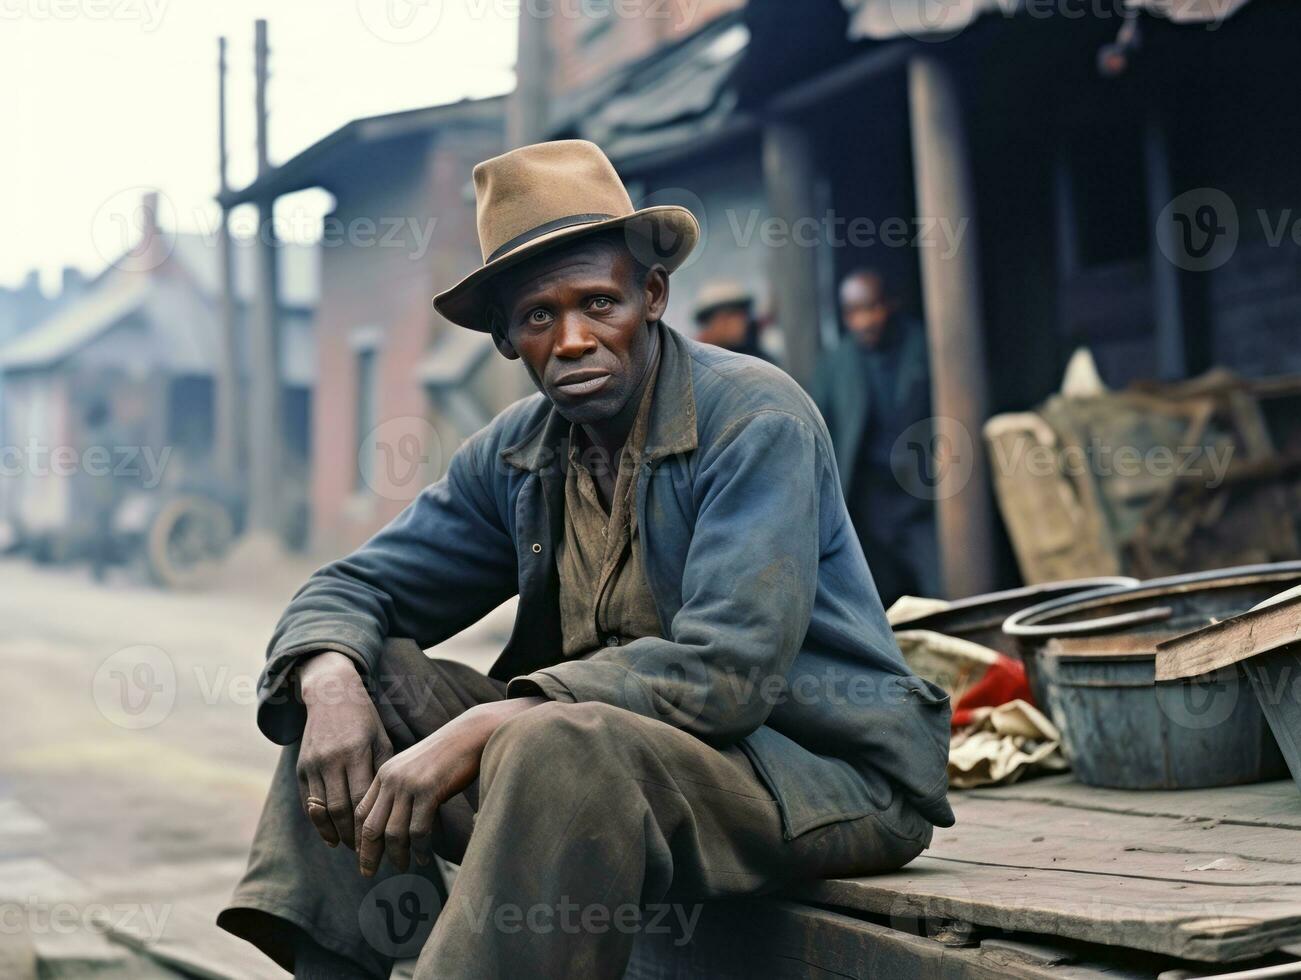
{"x":588,"y":823}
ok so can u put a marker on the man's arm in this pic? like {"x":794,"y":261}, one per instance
{"x":442,"y":564}
{"x":748,"y":588}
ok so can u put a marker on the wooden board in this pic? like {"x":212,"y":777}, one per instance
{"x":780,"y":940}
{"x":1182,"y":885}
{"x":1223,"y":644}
{"x":1273,"y":804}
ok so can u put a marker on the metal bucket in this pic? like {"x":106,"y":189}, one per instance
{"x":1145,"y":613}
{"x":1121,"y":729}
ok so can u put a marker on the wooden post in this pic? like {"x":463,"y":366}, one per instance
{"x":954,"y":308}
{"x":264,"y":428}
{"x":1167,"y":278}
{"x":528,"y":108}
{"x":229,"y":402}
{"x":790,"y":178}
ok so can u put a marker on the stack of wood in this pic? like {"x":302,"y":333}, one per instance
{"x":1155,"y":480}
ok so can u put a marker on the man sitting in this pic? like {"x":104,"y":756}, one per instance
{"x":701,"y":697}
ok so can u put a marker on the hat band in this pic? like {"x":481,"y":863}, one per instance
{"x":545,"y":229}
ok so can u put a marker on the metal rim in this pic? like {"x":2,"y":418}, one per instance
{"x":1029,"y":622}
{"x":1076,"y":586}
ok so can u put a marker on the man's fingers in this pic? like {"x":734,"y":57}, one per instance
{"x":338,"y":803}
{"x":361,"y":774}
{"x":317,"y":812}
{"x":397,"y":834}
{"x":422,"y":830}
{"x":383,"y":750}
{"x":370,"y":848}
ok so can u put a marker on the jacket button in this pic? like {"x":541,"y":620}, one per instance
{"x":537,"y":548}
{"x":612,"y":641}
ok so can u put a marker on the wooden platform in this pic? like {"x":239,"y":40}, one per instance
{"x":1050,"y":879}
{"x":1206,"y":875}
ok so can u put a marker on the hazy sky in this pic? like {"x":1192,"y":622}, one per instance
{"x":101,"y":98}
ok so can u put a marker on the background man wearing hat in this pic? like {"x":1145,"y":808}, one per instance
{"x":701,"y":696}
{"x":724,"y":315}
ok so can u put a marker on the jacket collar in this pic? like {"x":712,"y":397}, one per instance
{"x":672,"y":426}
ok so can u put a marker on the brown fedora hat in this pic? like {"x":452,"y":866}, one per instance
{"x":532,"y":198}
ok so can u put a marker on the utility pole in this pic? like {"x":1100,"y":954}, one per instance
{"x":264,"y":422}
{"x":229,"y":416}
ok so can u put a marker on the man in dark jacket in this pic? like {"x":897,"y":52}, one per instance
{"x":874,"y":391}
{"x":701,"y":697}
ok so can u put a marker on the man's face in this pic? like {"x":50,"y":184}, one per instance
{"x":725,"y":327}
{"x":581,"y":323}
{"x":866,"y":308}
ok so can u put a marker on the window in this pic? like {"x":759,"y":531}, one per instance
{"x":367,"y":415}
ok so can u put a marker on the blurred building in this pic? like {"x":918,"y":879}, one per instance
{"x":120,"y":376}
{"x":398,"y":387}
{"x":1034,"y":177}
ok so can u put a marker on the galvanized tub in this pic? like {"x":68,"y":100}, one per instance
{"x":1091,"y":659}
{"x":1121,"y":729}
{"x":1150,"y":611}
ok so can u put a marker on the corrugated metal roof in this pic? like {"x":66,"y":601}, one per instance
{"x":672,"y":98}
{"x":881,"y":20}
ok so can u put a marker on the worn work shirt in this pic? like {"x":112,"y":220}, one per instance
{"x":604,"y":597}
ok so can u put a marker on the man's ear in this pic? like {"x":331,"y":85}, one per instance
{"x":657,"y":293}
{"x":504,"y":345}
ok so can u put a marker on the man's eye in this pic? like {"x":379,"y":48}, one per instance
{"x":602,"y":303}
{"x":538,"y":317}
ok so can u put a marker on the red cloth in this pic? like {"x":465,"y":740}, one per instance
{"x":1004,"y":681}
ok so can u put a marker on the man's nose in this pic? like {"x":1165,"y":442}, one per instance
{"x":574,"y":339}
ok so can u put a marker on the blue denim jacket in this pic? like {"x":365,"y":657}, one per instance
{"x":774,"y":637}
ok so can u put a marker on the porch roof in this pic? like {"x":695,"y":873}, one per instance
{"x":884,"y":19}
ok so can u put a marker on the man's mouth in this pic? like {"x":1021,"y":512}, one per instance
{"x":580,"y":383}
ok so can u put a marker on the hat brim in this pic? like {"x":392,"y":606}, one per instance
{"x":663,"y":235}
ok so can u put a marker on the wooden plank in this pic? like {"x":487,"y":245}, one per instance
{"x":1273,"y":804}
{"x":1040,"y":836}
{"x":788,"y":941}
{"x":1201,"y":889}
{"x":1156,"y":916}
{"x":1228,"y":642}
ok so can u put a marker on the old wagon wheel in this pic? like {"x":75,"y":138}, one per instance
{"x":186,"y":542}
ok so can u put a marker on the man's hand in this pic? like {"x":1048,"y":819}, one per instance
{"x":398,"y":812}
{"x":343,"y":745}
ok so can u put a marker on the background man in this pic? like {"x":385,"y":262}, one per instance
{"x":874,"y":391}
{"x":725,"y":317}
{"x":701,"y":696}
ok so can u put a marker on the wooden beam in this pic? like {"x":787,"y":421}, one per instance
{"x":265,"y":429}
{"x":954,"y":310}
{"x":790,"y":177}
